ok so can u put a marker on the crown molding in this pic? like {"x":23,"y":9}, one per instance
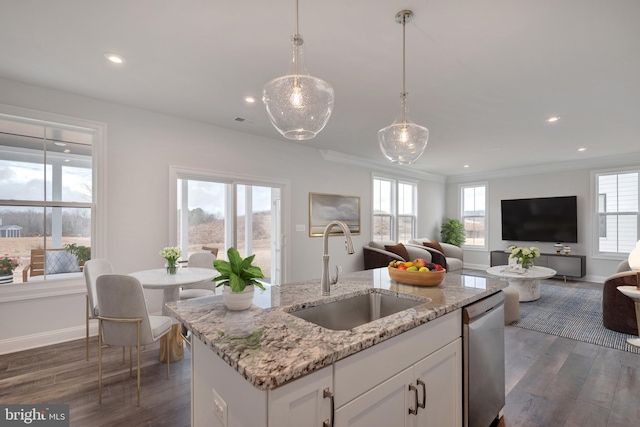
{"x":398,"y":170}
{"x":594,"y":163}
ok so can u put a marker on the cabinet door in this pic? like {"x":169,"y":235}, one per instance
{"x":385,"y":405}
{"x":301,"y":403}
{"x":441,"y":373}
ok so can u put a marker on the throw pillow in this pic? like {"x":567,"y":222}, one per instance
{"x":399,"y":250}
{"x":60,"y":262}
{"x":434,"y":245}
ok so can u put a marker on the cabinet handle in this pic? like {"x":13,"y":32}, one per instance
{"x":415,"y":390}
{"x":424,"y":393}
{"x":326,"y":393}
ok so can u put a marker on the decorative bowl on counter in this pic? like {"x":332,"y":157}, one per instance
{"x":418,"y":278}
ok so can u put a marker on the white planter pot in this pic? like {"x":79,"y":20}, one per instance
{"x":5,"y":279}
{"x":238,"y":300}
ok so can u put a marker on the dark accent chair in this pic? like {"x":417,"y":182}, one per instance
{"x":376,"y":256}
{"x":618,"y":310}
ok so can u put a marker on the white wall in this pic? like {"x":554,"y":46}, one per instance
{"x":545,"y":183}
{"x":141,"y":145}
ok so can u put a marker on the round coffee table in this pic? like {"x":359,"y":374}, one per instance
{"x":526,"y":282}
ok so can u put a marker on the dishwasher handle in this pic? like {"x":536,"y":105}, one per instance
{"x":479,"y":308}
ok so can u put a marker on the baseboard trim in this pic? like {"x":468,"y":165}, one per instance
{"x":43,"y":339}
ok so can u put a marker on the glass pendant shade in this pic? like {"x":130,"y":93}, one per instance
{"x":403,"y":142}
{"x":298,"y":104}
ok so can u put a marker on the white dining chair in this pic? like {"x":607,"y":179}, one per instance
{"x":201,"y":289}
{"x":124,"y":320}
{"x":93,"y":269}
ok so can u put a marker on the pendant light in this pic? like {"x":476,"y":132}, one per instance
{"x":298,"y":105}
{"x":403,"y":141}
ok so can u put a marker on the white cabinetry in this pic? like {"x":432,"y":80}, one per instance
{"x":384,"y":405}
{"x":427,"y":394}
{"x":374,"y":387}
{"x":303,"y":403}
{"x":441,"y":374}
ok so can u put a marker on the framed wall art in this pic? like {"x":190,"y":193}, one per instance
{"x":325,"y":208}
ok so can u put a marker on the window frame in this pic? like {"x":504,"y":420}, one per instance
{"x":184,"y":173}
{"x":596,"y":195}
{"x":394,"y":215}
{"x":68,"y":285}
{"x":461,"y":189}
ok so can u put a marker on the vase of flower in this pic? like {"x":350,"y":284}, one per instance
{"x":524,"y":256}
{"x":171,"y":268}
{"x":171,"y":254}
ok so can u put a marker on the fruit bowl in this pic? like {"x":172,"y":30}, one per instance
{"x":419,"y":278}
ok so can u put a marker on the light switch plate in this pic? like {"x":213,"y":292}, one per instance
{"x":300,"y":227}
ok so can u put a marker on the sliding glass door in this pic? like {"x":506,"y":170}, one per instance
{"x":221,"y":213}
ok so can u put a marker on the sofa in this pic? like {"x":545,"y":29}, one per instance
{"x":379,"y":254}
{"x":618,"y":310}
{"x":453,"y":254}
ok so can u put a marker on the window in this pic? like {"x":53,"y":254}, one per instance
{"x":221,"y":212}
{"x":617,"y":211}
{"x":46,"y":196}
{"x":394,"y":210}
{"x":474,"y":214}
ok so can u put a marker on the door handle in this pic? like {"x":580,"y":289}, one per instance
{"x":415,"y":393}
{"x":424,"y":393}
{"x":326,"y":393}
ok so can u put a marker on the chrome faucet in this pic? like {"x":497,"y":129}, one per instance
{"x":326,"y":283}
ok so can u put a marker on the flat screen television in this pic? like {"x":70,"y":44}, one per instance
{"x":547,"y":219}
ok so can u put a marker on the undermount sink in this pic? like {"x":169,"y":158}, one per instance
{"x":356,"y":310}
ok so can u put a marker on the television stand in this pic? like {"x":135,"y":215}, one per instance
{"x":574,"y":266}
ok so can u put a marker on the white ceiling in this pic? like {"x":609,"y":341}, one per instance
{"x":483,"y":76}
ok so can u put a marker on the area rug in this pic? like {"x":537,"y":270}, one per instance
{"x":571,"y":313}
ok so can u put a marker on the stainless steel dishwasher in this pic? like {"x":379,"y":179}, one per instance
{"x":483,"y":352}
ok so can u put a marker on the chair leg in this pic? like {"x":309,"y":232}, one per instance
{"x":131,"y":361}
{"x":138,"y":355}
{"x":123,"y":356}
{"x":168,"y":361}
{"x":87,"y":309}
{"x":99,"y":360}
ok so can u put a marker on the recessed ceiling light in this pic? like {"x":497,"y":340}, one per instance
{"x":67,"y":160}
{"x":553,"y":119}
{"x":582,"y":149}
{"x":67,"y":150}
{"x":60,"y":144}
{"x":249,"y":99}
{"x":466,"y":166}
{"x":115,"y":58}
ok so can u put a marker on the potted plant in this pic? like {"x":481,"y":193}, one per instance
{"x":238,"y":277}
{"x":82,"y":253}
{"x":453,"y":232}
{"x":7,"y":265}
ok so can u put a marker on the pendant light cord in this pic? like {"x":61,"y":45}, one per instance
{"x":297,"y":41}
{"x":297,"y":29}
{"x":404,"y":90}
{"x":404,"y":78}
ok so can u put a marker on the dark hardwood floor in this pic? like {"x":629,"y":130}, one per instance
{"x":60,"y":374}
{"x":550,"y":381}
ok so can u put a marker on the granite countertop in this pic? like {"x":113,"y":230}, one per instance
{"x":269,"y":347}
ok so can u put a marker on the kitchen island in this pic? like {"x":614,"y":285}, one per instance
{"x":266,"y":367}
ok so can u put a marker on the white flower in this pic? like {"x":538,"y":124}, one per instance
{"x":171,"y":254}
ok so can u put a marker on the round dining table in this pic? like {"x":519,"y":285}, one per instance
{"x":170,"y":284}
